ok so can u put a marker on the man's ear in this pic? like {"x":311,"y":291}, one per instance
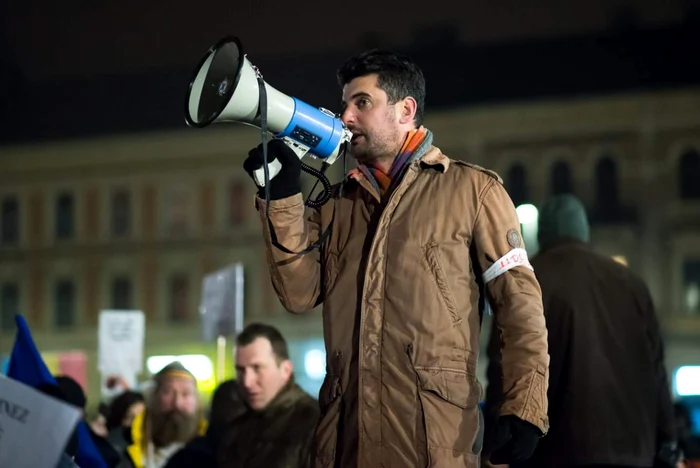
{"x":407,"y":108}
{"x":287,"y":369}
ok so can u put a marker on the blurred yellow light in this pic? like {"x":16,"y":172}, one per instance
{"x":620,"y":259}
{"x":198,"y":364}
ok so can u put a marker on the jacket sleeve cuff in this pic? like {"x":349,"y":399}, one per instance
{"x":533,"y":409}
{"x":281,"y":204}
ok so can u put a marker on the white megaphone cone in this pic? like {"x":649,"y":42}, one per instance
{"x":226,"y":88}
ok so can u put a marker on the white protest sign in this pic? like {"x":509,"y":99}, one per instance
{"x":26,"y":414}
{"x":121,"y":337}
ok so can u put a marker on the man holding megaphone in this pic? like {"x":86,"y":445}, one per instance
{"x":410,"y":247}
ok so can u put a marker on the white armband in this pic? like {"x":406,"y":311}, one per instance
{"x":514,"y":258}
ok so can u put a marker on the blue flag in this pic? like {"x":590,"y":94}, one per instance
{"x":27,"y":366}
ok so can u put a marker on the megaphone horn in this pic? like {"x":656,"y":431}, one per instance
{"x":225,"y":88}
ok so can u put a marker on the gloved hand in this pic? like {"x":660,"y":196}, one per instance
{"x":668,"y":455}
{"x":514,"y":440}
{"x":288,"y":181}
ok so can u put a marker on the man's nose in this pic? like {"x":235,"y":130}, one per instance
{"x":180,"y":402}
{"x":248,"y":380}
{"x":347,"y":117}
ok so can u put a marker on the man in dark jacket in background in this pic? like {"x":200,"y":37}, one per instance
{"x":277,"y":426}
{"x":609,"y":399}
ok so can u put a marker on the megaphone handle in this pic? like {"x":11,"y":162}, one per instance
{"x":274,"y":168}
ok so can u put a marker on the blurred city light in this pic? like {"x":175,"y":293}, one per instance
{"x":527,"y":213}
{"x":687,"y":381}
{"x":198,"y":364}
{"x":621,"y":259}
{"x":315,"y":364}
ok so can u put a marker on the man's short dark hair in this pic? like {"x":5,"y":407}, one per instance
{"x":260,"y":330}
{"x":398,"y":76}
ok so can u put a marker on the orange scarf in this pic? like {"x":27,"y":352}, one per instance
{"x":383,"y":180}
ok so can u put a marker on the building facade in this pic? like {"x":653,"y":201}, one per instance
{"x":136,"y":221}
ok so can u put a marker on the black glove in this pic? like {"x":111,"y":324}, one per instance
{"x":668,"y":455}
{"x":514,"y":440}
{"x":288,"y":181}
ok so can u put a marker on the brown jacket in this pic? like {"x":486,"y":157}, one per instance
{"x":400,"y":284}
{"x":609,"y":396}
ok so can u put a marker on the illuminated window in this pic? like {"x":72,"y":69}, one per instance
{"x":620,"y":259}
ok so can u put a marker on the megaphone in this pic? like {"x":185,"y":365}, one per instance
{"x":226,"y":87}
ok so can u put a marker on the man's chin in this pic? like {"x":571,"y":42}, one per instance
{"x":360,"y":155}
{"x":256,"y":405}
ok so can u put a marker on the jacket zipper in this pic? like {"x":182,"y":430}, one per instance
{"x":360,"y":360}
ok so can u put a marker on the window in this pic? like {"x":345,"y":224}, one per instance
{"x":9,"y":306}
{"x":690,"y":175}
{"x":606,"y":184}
{"x":64,"y":304}
{"x":177,"y":211}
{"x":691,"y":286}
{"x":9,"y":221}
{"x":65,"y":216}
{"x":121,"y":293}
{"x":179,"y":298}
{"x":121,"y":213}
{"x":238,"y":202}
{"x":516,"y":184}
{"x":561,"y":178}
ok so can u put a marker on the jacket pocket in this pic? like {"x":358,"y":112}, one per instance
{"x":329,"y":400}
{"x":453,"y":424}
{"x":432,"y":258}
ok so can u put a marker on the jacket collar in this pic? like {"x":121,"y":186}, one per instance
{"x":432,"y":158}
{"x":288,"y":396}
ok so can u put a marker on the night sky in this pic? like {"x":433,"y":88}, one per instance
{"x":53,"y":39}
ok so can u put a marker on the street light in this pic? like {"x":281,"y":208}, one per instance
{"x":528,"y":216}
{"x":527,"y":213}
{"x":687,"y":381}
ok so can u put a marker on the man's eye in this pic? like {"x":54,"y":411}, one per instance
{"x":362,"y":103}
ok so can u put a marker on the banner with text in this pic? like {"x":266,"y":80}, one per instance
{"x":26,"y":413}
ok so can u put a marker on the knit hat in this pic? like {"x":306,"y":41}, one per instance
{"x":173,"y":370}
{"x":562,"y":217}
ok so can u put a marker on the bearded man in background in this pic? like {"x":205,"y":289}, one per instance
{"x":172,"y":418}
